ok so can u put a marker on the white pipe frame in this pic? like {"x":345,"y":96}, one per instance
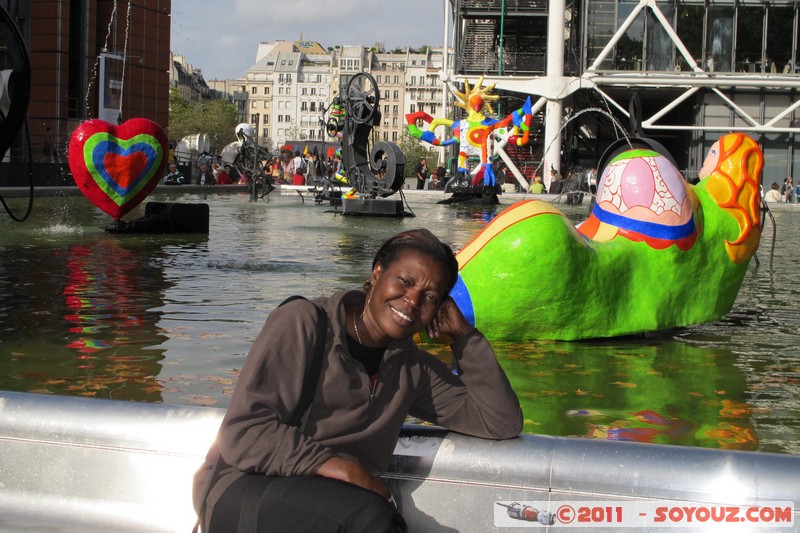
{"x":557,"y":87}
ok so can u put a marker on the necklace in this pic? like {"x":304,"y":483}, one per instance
{"x":355,"y":327}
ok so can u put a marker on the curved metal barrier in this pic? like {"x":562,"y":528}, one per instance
{"x":81,"y":465}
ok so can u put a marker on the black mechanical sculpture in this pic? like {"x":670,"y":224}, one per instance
{"x":15,"y":86}
{"x":375,"y":172}
{"x":251,"y":160}
{"x":15,"y":81}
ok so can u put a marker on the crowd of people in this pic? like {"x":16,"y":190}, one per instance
{"x":786,"y":193}
{"x":297,"y":168}
{"x":207,"y":171}
{"x":288,"y":167}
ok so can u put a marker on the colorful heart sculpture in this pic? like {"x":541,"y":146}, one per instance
{"x":116,"y":167}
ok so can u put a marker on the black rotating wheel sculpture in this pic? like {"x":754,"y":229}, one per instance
{"x":379,"y":171}
{"x":15,"y":81}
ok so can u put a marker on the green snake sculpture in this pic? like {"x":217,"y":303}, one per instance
{"x":655,"y":253}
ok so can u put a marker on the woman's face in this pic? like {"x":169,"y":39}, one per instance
{"x":405,"y":296}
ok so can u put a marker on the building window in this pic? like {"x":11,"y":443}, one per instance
{"x":266,"y":119}
{"x":288,"y":118}
{"x":413,"y":80}
{"x":313,"y":106}
{"x":394,"y":109}
{"x":394,"y":136}
{"x":280,"y":118}
{"x":385,"y":135}
{"x":312,"y":134}
{"x":397,"y":79}
{"x":280,"y":90}
{"x":266,"y":90}
{"x":396,"y":95}
{"x":303,"y":106}
{"x":266,"y":104}
{"x":253,"y":104}
{"x":413,"y":108}
{"x":254,"y":90}
{"x":303,"y":91}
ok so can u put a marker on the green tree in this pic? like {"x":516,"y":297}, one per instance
{"x":216,"y":118}
{"x":414,"y":150}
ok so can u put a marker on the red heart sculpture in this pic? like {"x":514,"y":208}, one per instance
{"x":116,"y":167}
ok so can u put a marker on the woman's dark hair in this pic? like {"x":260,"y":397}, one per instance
{"x":423,"y":241}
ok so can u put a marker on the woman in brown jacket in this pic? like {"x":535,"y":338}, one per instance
{"x":262,"y":474}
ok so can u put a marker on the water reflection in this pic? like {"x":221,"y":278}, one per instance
{"x":82,"y":325}
{"x":656,"y":389}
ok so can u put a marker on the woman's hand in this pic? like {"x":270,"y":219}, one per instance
{"x":449,"y":321}
{"x":345,"y":470}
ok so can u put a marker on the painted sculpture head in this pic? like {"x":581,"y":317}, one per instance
{"x":732,"y":169}
{"x":476,"y":99}
{"x":642,"y":195}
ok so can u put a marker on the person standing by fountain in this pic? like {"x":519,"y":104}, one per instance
{"x":373,"y":376}
{"x":422,"y":173}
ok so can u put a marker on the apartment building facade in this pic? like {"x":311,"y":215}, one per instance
{"x":288,"y":90}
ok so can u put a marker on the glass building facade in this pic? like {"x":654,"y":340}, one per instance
{"x":699,"y":68}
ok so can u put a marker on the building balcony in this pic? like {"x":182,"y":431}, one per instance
{"x":491,"y":7}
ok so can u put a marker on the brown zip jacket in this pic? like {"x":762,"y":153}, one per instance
{"x":347,"y":418}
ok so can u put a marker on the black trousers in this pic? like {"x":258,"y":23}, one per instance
{"x":316,"y":504}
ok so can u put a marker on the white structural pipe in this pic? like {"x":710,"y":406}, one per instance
{"x":554,"y":77}
{"x":444,"y":75}
{"x":554,"y":87}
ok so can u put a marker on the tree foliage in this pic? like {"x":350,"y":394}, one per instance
{"x":414,"y":150}
{"x":215,"y":118}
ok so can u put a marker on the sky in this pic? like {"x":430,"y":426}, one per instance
{"x":221,"y":36}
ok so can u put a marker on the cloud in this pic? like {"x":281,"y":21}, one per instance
{"x":222,"y":37}
{"x":298,"y":13}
